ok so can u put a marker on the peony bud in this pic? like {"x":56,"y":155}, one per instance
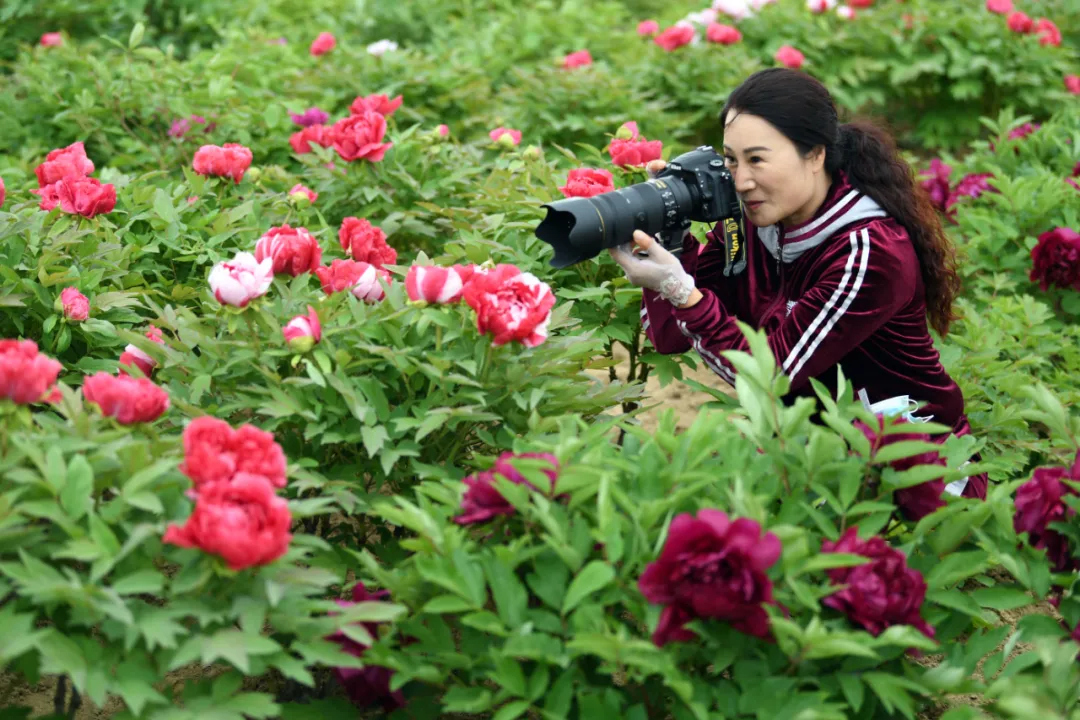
{"x":531,"y":153}
{"x":505,"y":140}
{"x":303,"y":331}
{"x":624,"y":133}
{"x":74,"y":305}
{"x":254,"y":174}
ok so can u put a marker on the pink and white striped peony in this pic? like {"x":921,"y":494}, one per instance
{"x":303,"y":331}
{"x":433,"y":284}
{"x":238,"y":281}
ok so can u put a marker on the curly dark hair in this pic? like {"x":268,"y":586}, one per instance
{"x":801,"y":107}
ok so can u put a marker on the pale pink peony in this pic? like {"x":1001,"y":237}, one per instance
{"x":238,"y":281}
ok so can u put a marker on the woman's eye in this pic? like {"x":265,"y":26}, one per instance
{"x":755,"y":159}
{"x":729,"y":160}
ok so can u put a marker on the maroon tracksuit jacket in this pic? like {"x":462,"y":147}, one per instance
{"x":843,"y":288}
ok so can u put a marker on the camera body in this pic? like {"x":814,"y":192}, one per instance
{"x":693,"y":187}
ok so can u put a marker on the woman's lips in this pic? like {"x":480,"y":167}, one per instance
{"x":755,"y":204}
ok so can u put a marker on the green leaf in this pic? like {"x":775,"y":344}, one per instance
{"x":163,"y":206}
{"x":467,"y":700}
{"x":78,"y":494}
{"x":374,"y":438}
{"x":512,"y":710}
{"x":134,"y":39}
{"x":827,"y":561}
{"x":447,"y":604}
{"x":591,"y":579}
{"x":140,"y":581}
{"x":1002,"y":598}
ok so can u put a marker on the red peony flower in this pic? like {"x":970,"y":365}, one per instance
{"x":231,"y":160}
{"x":64,"y":163}
{"x":581,"y":58}
{"x":972,"y":185}
{"x":294,"y":250}
{"x":365,"y":242}
{"x":52,"y":39}
{"x":1056,"y":259}
{"x":84,"y":196}
{"x":879,"y":594}
{"x":360,"y":137}
{"x":214,"y":453}
{"x":1018,"y":22}
{"x":1039,"y":502}
{"x":381,"y":104}
{"x":712,"y":567}
{"x":318,"y":134}
{"x":369,"y":685}
{"x":323,"y":44}
{"x":128,"y":399}
{"x":936,"y":182}
{"x":511,"y":307}
{"x":588,"y":182}
{"x":483,"y":501}
{"x":26,"y":376}
{"x":1072,"y":84}
{"x":675,"y":37}
{"x":76,"y":306}
{"x":722,"y":34}
{"x":790,"y":57}
{"x":242,"y":521}
{"x":132,"y":355}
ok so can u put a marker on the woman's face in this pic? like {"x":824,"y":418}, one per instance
{"x":774,"y":181}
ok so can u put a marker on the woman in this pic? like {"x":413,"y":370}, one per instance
{"x":846,"y":260}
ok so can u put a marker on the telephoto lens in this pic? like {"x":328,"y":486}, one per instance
{"x":693,"y":187}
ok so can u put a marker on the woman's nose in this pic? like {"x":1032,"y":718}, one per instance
{"x":743,"y":182}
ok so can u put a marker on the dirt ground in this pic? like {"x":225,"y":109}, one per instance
{"x":676,"y":395}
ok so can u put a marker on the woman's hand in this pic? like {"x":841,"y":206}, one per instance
{"x":648,"y":264}
{"x":654,"y":167}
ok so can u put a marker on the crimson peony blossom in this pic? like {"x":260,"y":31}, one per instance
{"x":359,"y":278}
{"x":712,"y":567}
{"x":936,"y":182}
{"x":581,"y":58}
{"x":505,"y":136}
{"x":303,"y":331}
{"x":238,"y":281}
{"x":1001,"y":7}
{"x":675,"y":37}
{"x":214,"y":453}
{"x":722,"y":34}
{"x":132,"y":355}
{"x":433,"y":284}
{"x":483,"y":501}
{"x":917,"y":501}
{"x":75,"y":305}
{"x":1018,"y":22}
{"x":1055,"y":259}
{"x":588,"y":182}
{"x":128,"y":399}
{"x":52,"y":39}
{"x":26,"y":376}
{"x":381,"y":104}
{"x":323,"y":44}
{"x":294,"y":250}
{"x":790,"y":57}
{"x":879,"y":594}
{"x":1039,"y":502}
{"x":242,"y":521}
{"x":63,"y":163}
{"x":511,"y":305}
{"x":1048,"y":32}
{"x":360,"y":137}
{"x":231,"y":160}
{"x":365,"y":242}
{"x":648,"y":28}
{"x":311,"y":116}
{"x":318,"y":134}
{"x":971,"y":185}
{"x":369,"y":685}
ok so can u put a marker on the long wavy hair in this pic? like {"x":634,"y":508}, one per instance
{"x":802,"y":109}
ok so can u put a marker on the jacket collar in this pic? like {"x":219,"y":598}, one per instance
{"x":843,"y":206}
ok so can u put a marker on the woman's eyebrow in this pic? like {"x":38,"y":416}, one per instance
{"x":756,"y":148}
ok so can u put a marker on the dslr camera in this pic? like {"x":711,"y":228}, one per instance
{"x":694,"y":187}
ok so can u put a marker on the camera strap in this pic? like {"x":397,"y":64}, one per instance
{"x":734,"y":248}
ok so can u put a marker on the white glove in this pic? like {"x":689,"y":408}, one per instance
{"x":656,"y":269}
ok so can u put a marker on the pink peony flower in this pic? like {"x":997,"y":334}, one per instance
{"x":846,"y":12}
{"x":1001,"y":7}
{"x":64,"y":163}
{"x":443,"y":130}
{"x":581,"y":58}
{"x":238,"y":281}
{"x":230,"y":160}
{"x":52,"y":39}
{"x":1018,"y":22}
{"x":3,"y":192}
{"x":360,"y":278}
{"x":133,"y":355}
{"x":629,"y":148}
{"x":790,"y":57}
{"x":128,"y":399}
{"x":26,"y":376}
{"x":510,"y":305}
{"x":675,"y":37}
{"x":303,"y":191}
{"x":820,"y":6}
{"x":318,"y":134}
{"x":381,"y":104}
{"x":76,"y":306}
{"x":311,"y":116}
{"x":512,"y":137}
{"x":303,"y":331}
{"x":293,"y":250}
{"x":648,"y":28}
{"x":1048,"y":33}
{"x":323,"y":44}
{"x":360,"y":137}
{"x":215,"y":453}
{"x":722,"y":34}
{"x":84,"y":196}
{"x":433,"y":284}
{"x":1072,"y":84}
{"x":365,"y":242}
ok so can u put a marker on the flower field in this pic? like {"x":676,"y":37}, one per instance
{"x":298,"y":421}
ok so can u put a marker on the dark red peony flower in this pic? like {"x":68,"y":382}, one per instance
{"x":917,"y":501}
{"x":712,"y":567}
{"x":483,"y":501}
{"x":369,"y":685}
{"x":1039,"y":502}
{"x":879,"y":594}
{"x":1055,"y":260}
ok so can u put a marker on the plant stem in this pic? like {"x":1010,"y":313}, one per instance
{"x":254,"y":333}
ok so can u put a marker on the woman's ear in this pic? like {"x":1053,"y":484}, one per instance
{"x":816,"y":158}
